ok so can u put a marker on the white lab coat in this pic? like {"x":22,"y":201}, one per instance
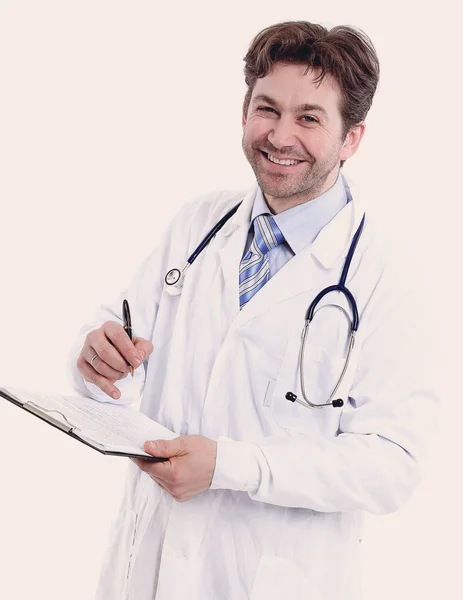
{"x":283,"y":517}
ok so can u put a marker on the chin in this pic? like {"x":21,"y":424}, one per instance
{"x":279,"y":190}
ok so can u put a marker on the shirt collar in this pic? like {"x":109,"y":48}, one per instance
{"x":301,"y":224}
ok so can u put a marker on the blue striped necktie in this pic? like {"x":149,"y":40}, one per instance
{"x":254,"y":268}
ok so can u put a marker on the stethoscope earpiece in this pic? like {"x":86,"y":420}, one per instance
{"x":339,"y":403}
{"x":291,"y":397}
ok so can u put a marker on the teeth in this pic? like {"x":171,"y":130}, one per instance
{"x":282,"y":162}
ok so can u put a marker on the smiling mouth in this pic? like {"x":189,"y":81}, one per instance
{"x":287,"y":162}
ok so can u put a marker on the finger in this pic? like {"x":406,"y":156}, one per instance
{"x":144,"y":347}
{"x":89,"y":374}
{"x":118,"y":337}
{"x":106,"y":351}
{"x":166,"y":448}
{"x":156,"y":470}
{"x":101,"y":366}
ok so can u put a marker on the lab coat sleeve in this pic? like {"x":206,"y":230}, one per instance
{"x":382,"y":448}
{"x":143,"y":295}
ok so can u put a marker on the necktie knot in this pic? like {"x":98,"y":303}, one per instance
{"x":267,"y":234}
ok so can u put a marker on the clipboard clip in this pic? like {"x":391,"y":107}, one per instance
{"x":44,"y":413}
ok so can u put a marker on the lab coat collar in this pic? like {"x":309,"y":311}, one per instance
{"x":333,"y":241}
{"x":306,"y":270}
{"x":301,"y":224}
{"x":242,"y":217}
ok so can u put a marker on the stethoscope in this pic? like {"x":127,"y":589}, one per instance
{"x":174,"y":279}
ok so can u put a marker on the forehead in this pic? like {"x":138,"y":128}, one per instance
{"x":291,"y":85}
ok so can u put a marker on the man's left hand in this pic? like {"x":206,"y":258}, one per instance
{"x":190,"y":467}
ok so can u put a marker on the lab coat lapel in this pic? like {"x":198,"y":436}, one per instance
{"x":230,"y":243}
{"x":310,"y":268}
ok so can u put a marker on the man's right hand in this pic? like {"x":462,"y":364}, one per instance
{"x":114,"y":352}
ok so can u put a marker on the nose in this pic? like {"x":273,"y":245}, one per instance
{"x":282,"y":133}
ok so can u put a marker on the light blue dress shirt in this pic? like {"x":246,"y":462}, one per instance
{"x":299,"y":225}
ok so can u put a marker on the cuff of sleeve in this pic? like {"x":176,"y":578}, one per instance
{"x":235,"y":467}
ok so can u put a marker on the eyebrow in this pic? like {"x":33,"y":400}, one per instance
{"x":300,"y":108}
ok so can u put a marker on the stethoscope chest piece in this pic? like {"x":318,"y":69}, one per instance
{"x":173,"y":277}
{"x":174,"y":281}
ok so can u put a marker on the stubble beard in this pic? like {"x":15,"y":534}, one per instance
{"x":307,"y":186}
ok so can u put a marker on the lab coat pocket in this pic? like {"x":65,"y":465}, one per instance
{"x":321,"y":373}
{"x":278,"y":578}
{"x":116,"y":570}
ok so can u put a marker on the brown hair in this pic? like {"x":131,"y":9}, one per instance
{"x":346,"y":54}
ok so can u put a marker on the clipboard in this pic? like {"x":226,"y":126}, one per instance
{"x":143,"y":425}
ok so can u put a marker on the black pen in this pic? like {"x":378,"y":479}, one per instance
{"x":127,"y":324}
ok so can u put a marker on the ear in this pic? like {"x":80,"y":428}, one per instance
{"x":352,"y":141}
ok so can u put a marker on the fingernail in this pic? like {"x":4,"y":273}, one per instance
{"x":136,"y":361}
{"x":115,"y":395}
{"x":141,"y":354}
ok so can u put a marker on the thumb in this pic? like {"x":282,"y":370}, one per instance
{"x":145,"y":347}
{"x":165,"y":448}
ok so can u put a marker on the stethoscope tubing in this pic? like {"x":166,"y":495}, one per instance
{"x":335,"y":288}
{"x":341,"y":287}
{"x":212,"y":233}
{"x":174,"y":276}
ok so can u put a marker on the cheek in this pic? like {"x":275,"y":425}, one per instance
{"x":256,"y":130}
{"x":318,"y":143}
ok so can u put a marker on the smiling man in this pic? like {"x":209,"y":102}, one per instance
{"x":284,"y":441}
{"x":294,"y":135}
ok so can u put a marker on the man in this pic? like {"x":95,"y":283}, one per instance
{"x":263,"y":494}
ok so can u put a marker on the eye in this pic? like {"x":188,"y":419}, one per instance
{"x":266,"y":108}
{"x":309,"y":118}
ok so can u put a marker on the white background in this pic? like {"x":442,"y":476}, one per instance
{"x":112,"y":115}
